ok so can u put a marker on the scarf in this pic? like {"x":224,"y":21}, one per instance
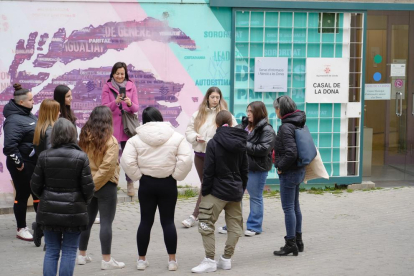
{"x":117,"y":85}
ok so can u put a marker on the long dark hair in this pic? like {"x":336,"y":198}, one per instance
{"x":259,"y":112}
{"x":151,"y":114}
{"x":96,"y":132}
{"x":65,"y":111}
{"x":116,"y":67}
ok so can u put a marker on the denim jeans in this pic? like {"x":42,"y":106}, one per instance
{"x":255,"y":187}
{"x":289,"y":195}
{"x":55,"y":242}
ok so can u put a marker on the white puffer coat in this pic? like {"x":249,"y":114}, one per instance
{"x":158,"y":151}
{"x":207,"y":130}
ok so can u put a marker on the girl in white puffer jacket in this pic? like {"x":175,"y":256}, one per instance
{"x":158,"y":156}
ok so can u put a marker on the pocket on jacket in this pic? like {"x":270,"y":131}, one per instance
{"x":206,"y":210}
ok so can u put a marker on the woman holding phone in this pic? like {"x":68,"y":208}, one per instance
{"x":119,"y":92}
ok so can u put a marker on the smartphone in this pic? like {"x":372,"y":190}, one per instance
{"x":122,"y":92}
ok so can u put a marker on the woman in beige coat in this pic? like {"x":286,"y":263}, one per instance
{"x":102,"y":148}
{"x":158,"y":156}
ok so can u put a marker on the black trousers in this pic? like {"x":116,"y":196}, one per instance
{"x":153,"y":193}
{"x":21,"y":181}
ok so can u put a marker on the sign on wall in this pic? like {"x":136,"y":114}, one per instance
{"x":270,"y":74}
{"x":377,"y":91}
{"x":327,"y":80}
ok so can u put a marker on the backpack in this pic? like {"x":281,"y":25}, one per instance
{"x":306,"y":147}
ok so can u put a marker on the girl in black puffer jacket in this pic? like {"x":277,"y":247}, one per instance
{"x":63,"y":181}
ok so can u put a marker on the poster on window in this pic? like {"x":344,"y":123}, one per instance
{"x":327,"y":80}
{"x":270,"y":74}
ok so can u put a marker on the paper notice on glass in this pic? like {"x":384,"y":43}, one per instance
{"x":397,"y":70}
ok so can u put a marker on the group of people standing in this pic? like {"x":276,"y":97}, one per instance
{"x":72,"y":180}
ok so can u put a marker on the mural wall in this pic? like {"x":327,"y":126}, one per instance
{"x":174,"y":52}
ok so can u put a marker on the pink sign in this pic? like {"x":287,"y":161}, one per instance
{"x":399,"y":83}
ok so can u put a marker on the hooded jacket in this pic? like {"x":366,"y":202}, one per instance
{"x":158,"y":151}
{"x":62,"y":180}
{"x":260,"y":142}
{"x":226,"y":165}
{"x":286,"y":153}
{"x":19,"y":130}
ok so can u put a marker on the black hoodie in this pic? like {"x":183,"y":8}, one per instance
{"x":226,"y":165}
{"x":286,"y":153}
{"x":19,"y":129}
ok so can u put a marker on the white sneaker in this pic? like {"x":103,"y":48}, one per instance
{"x":222,"y":230}
{"x":142,"y":265}
{"x":81,"y":260}
{"x":224,"y":263}
{"x":190,"y":222}
{"x":207,"y":265}
{"x":172,"y":265}
{"x":249,"y":233}
{"x":112,"y":264}
{"x":97,"y":221}
{"x":24,"y":234}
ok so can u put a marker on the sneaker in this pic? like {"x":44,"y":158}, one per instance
{"x":224,"y":263}
{"x":250,"y":233}
{"x":207,"y":265}
{"x":130,"y":189}
{"x":24,"y":234}
{"x":222,"y":230}
{"x":37,"y":234}
{"x":172,"y":265}
{"x":112,"y":264}
{"x":142,"y":265}
{"x":97,"y":221}
{"x":81,"y":260}
{"x":190,"y":222}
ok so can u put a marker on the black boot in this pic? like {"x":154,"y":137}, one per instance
{"x":299,"y":242}
{"x":290,"y":247}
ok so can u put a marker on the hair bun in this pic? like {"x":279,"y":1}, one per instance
{"x":17,"y":86}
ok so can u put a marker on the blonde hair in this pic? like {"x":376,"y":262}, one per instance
{"x":202,"y":110}
{"x":48,"y":115}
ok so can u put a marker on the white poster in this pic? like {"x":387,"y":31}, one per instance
{"x":377,"y":91}
{"x":397,"y":70}
{"x":327,"y":80}
{"x":270,"y":74}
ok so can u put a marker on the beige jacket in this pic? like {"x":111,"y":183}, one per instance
{"x":106,"y":169}
{"x":158,"y":151}
{"x":207,"y":130}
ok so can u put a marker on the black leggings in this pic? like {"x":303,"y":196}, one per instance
{"x":21,"y":181}
{"x":153,"y":192}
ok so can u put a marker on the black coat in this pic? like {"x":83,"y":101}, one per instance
{"x":226,"y":167}
{"x":19,"y":129}
{"x":286,"y":153}
{"x":63,"y":181}
{"x":260,"y":144}
{"x":44,"y":142}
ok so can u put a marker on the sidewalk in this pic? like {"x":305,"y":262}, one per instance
{"x":360,"y":233}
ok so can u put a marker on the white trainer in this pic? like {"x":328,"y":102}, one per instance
{"x":81,"y":260}
{"x":222,"y":230}
{"x":24,"y":234}
{"x":190,"y":222}
{"x":142,"y":265}
{"x":207,"y":265}
{"x":224,"y":263}
{"x":250,"y":233}
{"x":172,"y":265}
{"x":112,"y":264}
{"x":97,"y":221}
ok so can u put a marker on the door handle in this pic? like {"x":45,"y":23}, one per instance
{"x":398,"y":104}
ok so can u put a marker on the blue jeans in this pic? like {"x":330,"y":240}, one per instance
{"x":289,"y":195}
{"x":55,"y":241}
{"x":255,"y":187}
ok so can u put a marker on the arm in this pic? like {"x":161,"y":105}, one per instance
{"x":37,"y":182}
{"x":264,"y":145}
{"x":244,"y":171}
{"x":48,"y":138}
{"x":106,"y":98}
{"x":108,"y":166}
{"x":184,"y":161}
{"x":287,"y":137}
{"x":129,"y":161}
{"x":87,"y":185}
{"x":209,"y":169}
{"x":13,"y":134}
{"x":134,"y":101}
{"x":190,"y":133}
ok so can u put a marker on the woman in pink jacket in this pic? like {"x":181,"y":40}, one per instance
{"x":112,"y":98}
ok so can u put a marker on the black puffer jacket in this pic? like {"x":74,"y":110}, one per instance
{"x":286,"y":153}
{"x":260,"y":144}
{"x":18,"y":133}
{"x":44,"y":142}
{"x":63,"y":181}
{"x":226,"y":167}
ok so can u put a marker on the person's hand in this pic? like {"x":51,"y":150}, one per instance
{"x":200,"y":139}
{"x":118,"y":99}
{"x":21,"y":168}
{"x":279,"y":171}
{"x":128,"y":101}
